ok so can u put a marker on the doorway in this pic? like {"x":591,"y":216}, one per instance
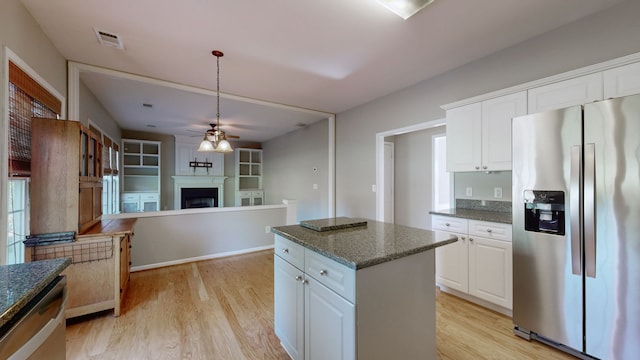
{"x":382,"y":205}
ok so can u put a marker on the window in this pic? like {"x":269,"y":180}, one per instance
{"x":441,"y":178}
{"x":18,"y":225}
{"x":27,"y":99}
{"x":110,"y":178}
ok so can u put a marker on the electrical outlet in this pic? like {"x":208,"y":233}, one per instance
{"x":267,"y":229}
{"x":497,"y":193}
{"x":315,"y":186}
{"x":373,"y":188}
{"x":469,"y":191}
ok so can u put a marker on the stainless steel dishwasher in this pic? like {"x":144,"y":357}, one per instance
{"x":39,"y":333}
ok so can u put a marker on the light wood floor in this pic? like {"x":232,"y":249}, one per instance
{"x":223,"y":309}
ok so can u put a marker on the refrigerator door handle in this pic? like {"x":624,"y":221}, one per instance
{"x":589,"y":209}
{"x":575,"y":193}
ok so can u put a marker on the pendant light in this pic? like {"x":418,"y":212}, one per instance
{"x":216,"y":139}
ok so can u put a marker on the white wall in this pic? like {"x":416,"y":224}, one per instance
{"x":23,"y":36}
{"x":610,"y":34}
{"x":172,"y":237}
{"x":289,"y":163}
{"x":414,"y":178}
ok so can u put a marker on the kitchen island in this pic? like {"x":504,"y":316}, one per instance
{"x":354,"y":288}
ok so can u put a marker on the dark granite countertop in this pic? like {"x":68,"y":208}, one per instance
{"x":367,"y":245}
{"x":20,"y":283}
{"x":472,"y":214}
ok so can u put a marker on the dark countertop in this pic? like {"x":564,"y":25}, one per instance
{"x":367,"y":245}
{"x":482,"y":215}
{"x":20,"y":283}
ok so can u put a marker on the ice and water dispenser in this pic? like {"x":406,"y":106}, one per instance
{"x":544,"y":211}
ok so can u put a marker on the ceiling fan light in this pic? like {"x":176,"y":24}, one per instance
{"x":206,"y":145}
{"x":224,"y":146}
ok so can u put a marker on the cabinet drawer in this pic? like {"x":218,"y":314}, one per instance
{"x":257,"y":193}
{"x":149,"y":197}
{"x":244,"y":193}
{"x":491,"y":230}
{"x":289,"y":251}
{"x":130,"y":197}
{"x":331,"y":274}
{"x":448,"y":223}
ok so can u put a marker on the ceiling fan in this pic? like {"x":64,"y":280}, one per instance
{"x":214,"y":132}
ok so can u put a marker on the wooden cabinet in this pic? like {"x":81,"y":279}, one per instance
{"x":248,"y":171}
{"x":480,"y":263}
{"x":125,"y":265}
{"x":479,"y":134}
{"x":622,"y":81}
{"x":140,"y":174}
{"x":98,"y":276}
{"x":562,"y":94}
{"x":66,"y":176}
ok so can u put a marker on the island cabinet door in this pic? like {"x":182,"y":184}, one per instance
{"x":329,"y":324}
{"x":289,"y":307}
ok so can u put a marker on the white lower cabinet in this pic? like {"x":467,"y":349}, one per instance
{"x":311,"y":320}
{"x":289,"y":307}
{"x":329,"y":324}
{"x":480,"y":263}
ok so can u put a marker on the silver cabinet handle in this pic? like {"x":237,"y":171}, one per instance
{"x":447,"y":224}
{"x":299,"y":278}
{"x":323,"y":272}
{"x":589,"y":209}
{"x":489,"y":230}
{"x":471,"y":239}
{"x":477,"y":167}
{"x":463,"y":238}
{"x":305,"y":282}
{"x":485,"y":167}
{"x":285,"y":250}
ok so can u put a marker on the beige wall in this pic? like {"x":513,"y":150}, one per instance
{"x":22,"y":35}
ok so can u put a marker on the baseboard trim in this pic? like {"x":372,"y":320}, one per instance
{"x":199,"y":258}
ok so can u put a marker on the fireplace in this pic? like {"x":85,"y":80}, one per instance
{"x":191,"y":198}
{"x":203,"y":191}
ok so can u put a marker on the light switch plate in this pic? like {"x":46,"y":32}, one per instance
{"x":469,"y":191}
{"x":497,"y":193}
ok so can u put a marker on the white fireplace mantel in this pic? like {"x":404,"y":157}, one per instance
{"x":197,"y":181}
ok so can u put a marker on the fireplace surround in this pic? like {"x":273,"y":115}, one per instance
{"x":201,"y":189}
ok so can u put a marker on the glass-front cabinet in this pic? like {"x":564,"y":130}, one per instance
{"x":249,"y":191}
{"x":140,"y":175}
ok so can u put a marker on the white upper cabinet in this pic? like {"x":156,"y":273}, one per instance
{"x":479,"y":134}
{"x":562,"y":94}
{"x":622,"y":81}
{"x":463,"y":138}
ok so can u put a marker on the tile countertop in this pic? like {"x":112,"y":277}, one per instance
{"x":20,"y":283}
{"x":366,"y":245}
{"x":482,"y":215}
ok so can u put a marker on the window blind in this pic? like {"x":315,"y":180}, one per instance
{"x":27,"y":99}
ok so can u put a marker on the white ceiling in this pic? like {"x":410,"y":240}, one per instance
{"x":325,"y":55}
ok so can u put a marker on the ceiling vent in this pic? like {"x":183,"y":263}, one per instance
{"x":109,"y":39}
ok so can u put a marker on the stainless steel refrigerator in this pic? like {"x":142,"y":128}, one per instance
{"x":576,"y":228}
